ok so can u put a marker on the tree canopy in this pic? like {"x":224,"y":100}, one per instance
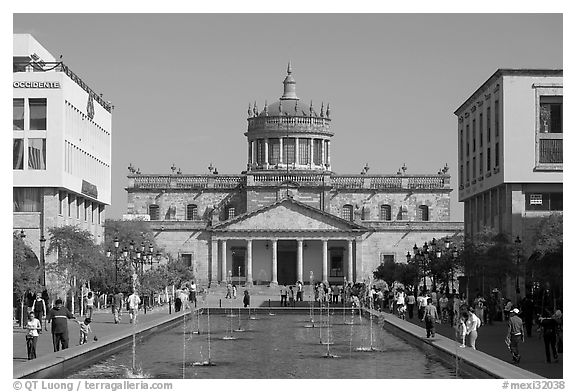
{"x":25,"y":275}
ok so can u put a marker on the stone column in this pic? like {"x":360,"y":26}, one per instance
{"x":296,"y":152}
{"x":324,"y":260}
{"x":249,"y":262}
{"x":300,"y":262}
{"x":253,"y":152}
{"x":328,"y":153}
{"x":281,"y":160}
{"x":214,"y":264}
{"x":322,"y":151}
{"x":266,"y":152}
{"x":350,"y":276}
{"x":274,"y":280}
{"x":223,"y":262}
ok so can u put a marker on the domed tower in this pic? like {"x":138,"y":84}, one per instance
{"x":290,"y":134}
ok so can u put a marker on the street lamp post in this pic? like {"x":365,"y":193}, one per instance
{"x":518,"y":242}
{"x":42,"y":259}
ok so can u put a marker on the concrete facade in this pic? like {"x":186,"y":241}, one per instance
{"x":289,"y":214}
{"x":511,"y":153}
{"x":62,"y":147}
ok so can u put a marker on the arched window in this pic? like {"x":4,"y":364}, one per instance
{"x":423,"y":213}
{"x":154,"y":211}
{"x":347,"y":212}
{"x":191,"y":212}
{"x":231,"y":212}
{"x":385,"y":212}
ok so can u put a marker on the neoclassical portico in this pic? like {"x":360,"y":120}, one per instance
{"x":284,"y":243}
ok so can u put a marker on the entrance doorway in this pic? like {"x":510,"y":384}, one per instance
{"x":287,"y":260}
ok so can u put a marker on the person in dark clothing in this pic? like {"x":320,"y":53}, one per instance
{"x":527,"y":309}
{"x":39,"y":309}
{"x":246,"y":299}
{"x":59,"y":316}
{"x":549,"y":327}
{"x":46,"y":299}
{"x":430,"y":317}
{"x":515,"y":334}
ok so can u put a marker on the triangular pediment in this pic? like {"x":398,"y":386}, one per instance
{"x":288,"y":215}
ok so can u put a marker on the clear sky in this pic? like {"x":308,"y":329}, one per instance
{"x":181,"y":83}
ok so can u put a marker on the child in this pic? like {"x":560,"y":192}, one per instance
{"x":402,"y":312}
{"x":461,"y":327}
{"x":84,"y":330}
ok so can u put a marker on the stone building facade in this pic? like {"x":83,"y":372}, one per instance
{"x":289,"y":217}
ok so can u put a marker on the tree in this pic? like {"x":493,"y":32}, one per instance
{"x":25,"y":275}
{"x":78,"y":258}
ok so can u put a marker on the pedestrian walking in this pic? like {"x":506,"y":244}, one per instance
{"x":58,"y":317}
{"x":515,"y":334}
{"x":117,"y":302}
{"x":472,"y":325}
{"x":90,"y":304}
{"x":84,"y":330}
{"x":39,"y":309}
{"x":228,"y":291}
{"x":234,"y":291}
{"x":291,"y":296}
{"x":527,"y":312}
{"x":33,"y":327}
{"x":410,"y":302}
{"x":246,"y":299}
{"x":430,"y":317}
{"x":299,"y":291}
{"x":283,"y":295}
{"x":133,"y":303}
{"x":549,"y":327}
{"x":193,"y":293}
{"x":461,"y":329}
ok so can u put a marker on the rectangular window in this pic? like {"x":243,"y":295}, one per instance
{"x":467,"y":140}
{"x":551,"y":114}
{"x":461,"y":174}
{"x":488,"y":160}
{"x":37,"y":154}
{"x":496,"y":155}
{"x":304,"y":151}
{"x":37,"y":113}
{"x":26,"y":199}
{"x":238,"y":261}
{"x":273,"y":151}
{"x":289,"y":150}
{"x":496,"y":118}
{"x":544,"y":201}
{"x":386,"y":258}
{"x":18,"y":114}
{"x":187,"y":259}
{"x":467,"y":171}
{"x":347,"y":213}
{"x":317,"y":152}
{"x":474,"y":135}
{"x":481,"y":163}
{"x":18,"y":154}
{"x":481,"y":129}
{"x":231,"y":212}
{"x":474,"y":168}
{"x":461,"y":149}
{"x":488,"y":128}
{"x":260,"y":151}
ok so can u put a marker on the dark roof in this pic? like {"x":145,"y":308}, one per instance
{"x":508,"y":72}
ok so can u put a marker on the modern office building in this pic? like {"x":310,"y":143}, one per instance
{"x":289,"y":215}
{"x":62,"y":147}
{"x":510,"y":150}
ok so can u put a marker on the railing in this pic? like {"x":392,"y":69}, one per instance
{"x":60,"y":67}
{"x":288,"y":120}
{"x":152,"y":182}
{"x":385,"y":183}
{"x":425,"y":182}
{"x":551,"y":151}
{"x":348,"y":182}
{"x":227,"y":182}
{"x":301,"y":179}
{"x":192,"y":182}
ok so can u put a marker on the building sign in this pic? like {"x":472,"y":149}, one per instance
{"x":36,"y":84}
{"x":90,"y":107}
{"x":536,"y":199}
{"x":89,"y":189}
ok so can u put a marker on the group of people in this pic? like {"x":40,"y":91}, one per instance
{"x":185,"y":296}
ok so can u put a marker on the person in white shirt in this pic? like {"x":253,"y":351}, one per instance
{"x":472,"y":328}
{"x":133,"y":303}
{"x":33,"y":326}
